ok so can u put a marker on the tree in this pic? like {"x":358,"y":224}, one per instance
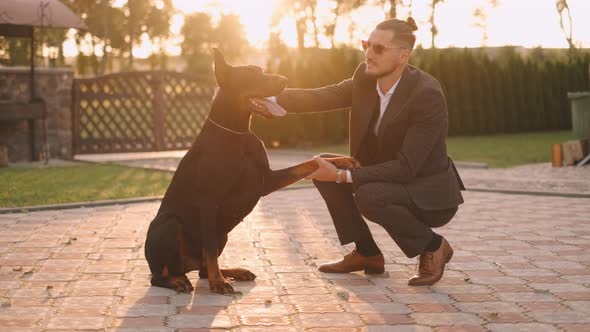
{"x":392,"y":11}
{"x":198,"y":35}
{"x":304,"y":12}
{"x":157,"y":23}
{"x":433,"y":28}
{"x":150,"y":17}
{"x":481,"y":17}
{"x":278,"y":53}
{"x":105,"y":30}
{"x":230,"y":36}
{"x":342,"y":7}
{"x":562,"y":7}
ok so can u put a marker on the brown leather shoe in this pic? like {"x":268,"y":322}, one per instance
{"x":355,"y":262}
{"x":431,"y":265}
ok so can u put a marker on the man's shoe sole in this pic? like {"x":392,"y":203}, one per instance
{"x":367,"y":271}
{"x":375,"y":271}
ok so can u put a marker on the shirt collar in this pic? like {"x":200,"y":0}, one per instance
{"x":388,"y":93}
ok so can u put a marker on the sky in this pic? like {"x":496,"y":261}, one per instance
{"x":528,"y":23}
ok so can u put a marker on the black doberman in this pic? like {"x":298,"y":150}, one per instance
{"x":218,"y":182}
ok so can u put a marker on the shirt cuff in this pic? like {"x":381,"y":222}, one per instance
{"x":348,"y":177}
{"x":272,"y":98}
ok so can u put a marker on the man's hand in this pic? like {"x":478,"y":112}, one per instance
{"x":265,"y":108}
{"x":325,"y":172}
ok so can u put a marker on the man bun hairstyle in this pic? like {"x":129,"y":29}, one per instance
{"x":403,"y":31}
{"x":411,"y":23}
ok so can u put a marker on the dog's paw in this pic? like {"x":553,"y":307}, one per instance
{"x":344,"y":162}
{"x":182,"y":284}
{"x":239,"y":274}
{"x":177,"y":283}
{"x":221,"y":286}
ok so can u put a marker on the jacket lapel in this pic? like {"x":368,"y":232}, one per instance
{"x":361,"y":113}
{"x":397,"y":101}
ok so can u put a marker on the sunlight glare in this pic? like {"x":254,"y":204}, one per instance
{"x":528,"y":23}
{"x":254,"y":15}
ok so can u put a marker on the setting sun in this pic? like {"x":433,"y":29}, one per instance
{"x":255,"y":15}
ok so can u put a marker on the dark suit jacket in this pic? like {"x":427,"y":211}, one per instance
{"x":412,"y":132}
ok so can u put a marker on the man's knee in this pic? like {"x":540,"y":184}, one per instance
{"x":367,"y":199}
{"x":438,"y":218}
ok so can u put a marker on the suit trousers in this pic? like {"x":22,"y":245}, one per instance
{"x":387,"y":204}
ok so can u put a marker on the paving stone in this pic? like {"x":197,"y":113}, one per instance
{"x":461,"y":289}
{"x":528,"y":272}
{"x":262,"y":309}
{"x":139,"y":322}
{"x":92,"y":301}
{"x":505,"y":317}
{"x":76,"y":322}
{"x":265,"y":320}
{"x":276,"y":328}
{"x":319,"y":308}
{"x":543,"y":306}
{"x":581,"y":306}
{"x":432,"y":307}
{"x":559,"y":287}
{"x":23,"y":312}
{"x":386,"y":319}
{"x":420,"y":298}
{"x":574,"y":327}
{"x":146,"y":310}
{"x":485,"y":307}
{"x":17,"y":324}
{"x":521,"y":327}
{"x":527,"y":297}
{"x":379,"y":308}
{"x":329,"y":320}
{"x":436,"y":319}
{"x":567,"y":317}
{"x":398,"y":328}
{"x":201,"y":321}
{"x":460,"y":328}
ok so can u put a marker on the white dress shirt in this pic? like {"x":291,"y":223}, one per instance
{"x":383,"y":102}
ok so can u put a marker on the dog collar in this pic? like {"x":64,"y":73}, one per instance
{"x":230,"y":130}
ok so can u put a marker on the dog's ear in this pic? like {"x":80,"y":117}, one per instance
{"x":221,"y":67}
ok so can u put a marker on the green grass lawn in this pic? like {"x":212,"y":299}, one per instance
{"x":507,"y":150}
{"x":82,"y":183}
{"x":497,"y":150}
{"x":86,"y":182}
{"x":91,"y":182}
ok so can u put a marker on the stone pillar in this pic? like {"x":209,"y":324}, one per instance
{"x":54,"y":86}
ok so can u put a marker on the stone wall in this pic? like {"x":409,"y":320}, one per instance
{"x":54,"y":85}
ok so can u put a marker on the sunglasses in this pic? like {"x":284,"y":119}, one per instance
{"x":377,"y":48}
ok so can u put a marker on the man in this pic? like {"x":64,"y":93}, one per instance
{"x":398,"y":128}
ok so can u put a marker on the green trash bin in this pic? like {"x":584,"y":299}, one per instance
{"x":580,"y":102}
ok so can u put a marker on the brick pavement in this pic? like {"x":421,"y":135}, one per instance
{"x":521,"y":264}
